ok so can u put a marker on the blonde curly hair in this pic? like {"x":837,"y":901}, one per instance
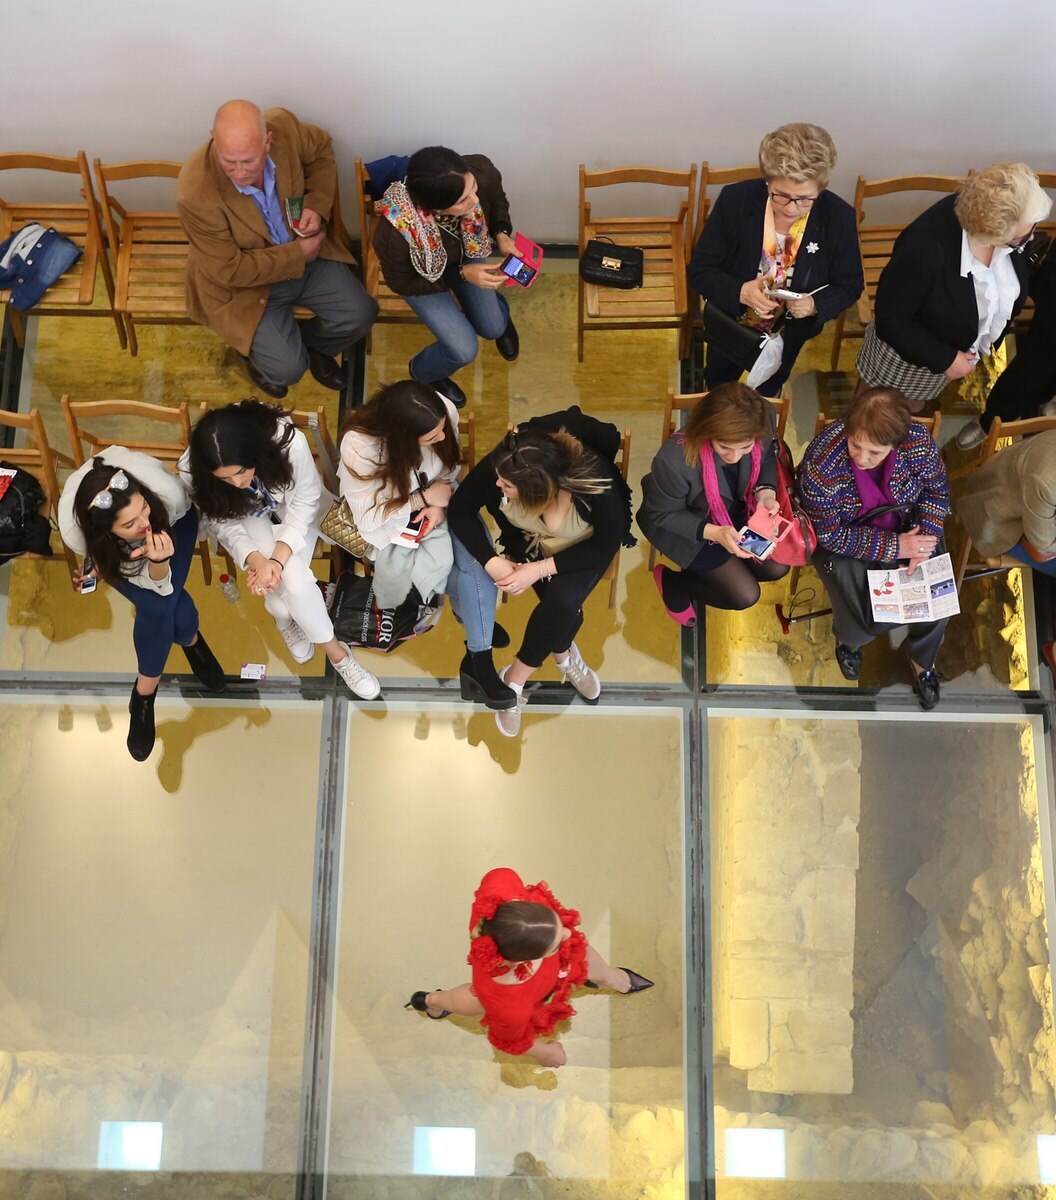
{"x":800,"y":152}
{"x":995,"y":200}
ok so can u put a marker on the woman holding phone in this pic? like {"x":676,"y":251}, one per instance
{"x":437,"y":230}
{"x":702,"y":488}
{"x":399,"y":462}
{"x":132,"y":521}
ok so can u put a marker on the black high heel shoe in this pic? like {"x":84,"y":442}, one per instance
{"x":639,"y":983}
{"x":417,"y":1002}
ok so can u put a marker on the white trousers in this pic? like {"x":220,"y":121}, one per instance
{"x":297,"y":598}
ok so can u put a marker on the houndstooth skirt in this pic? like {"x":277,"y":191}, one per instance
{"x":881,"y":366}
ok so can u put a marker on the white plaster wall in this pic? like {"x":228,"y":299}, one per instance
{"x":904,"y":85}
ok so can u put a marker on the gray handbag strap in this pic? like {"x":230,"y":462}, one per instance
{"x":326,"y":463}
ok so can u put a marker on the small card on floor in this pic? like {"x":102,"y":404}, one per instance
{"x":254,"y":671}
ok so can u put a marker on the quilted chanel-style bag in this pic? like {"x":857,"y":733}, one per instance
{"x":339,"y":525}
{"x":609,"y":265}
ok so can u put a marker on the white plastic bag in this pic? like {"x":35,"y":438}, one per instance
{"x":768,"y":361}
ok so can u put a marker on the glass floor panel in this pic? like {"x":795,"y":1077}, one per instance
{"x":154,"y":937}
{"x":426,"y":817}
{"x":881,"y":998}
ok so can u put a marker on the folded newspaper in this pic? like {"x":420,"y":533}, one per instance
{"x":927,"y":594}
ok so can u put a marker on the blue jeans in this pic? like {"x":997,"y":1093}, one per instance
{"x":473,"y":595}
{"x":163,"y":620}
{"x":455,"y":328}
{"x":1046,"y":568}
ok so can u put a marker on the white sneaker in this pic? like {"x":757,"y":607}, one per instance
{"x":509,"y":719}
{"x":359,"y":679}
{"x":301,"y":648}
{"x":580,"y":676}
{"x":970,"y":436}
{"x":1048,"y":409}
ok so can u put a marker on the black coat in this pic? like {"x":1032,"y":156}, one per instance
{"x":609,"y":512}
{"x":727,"y":255}
{"x":925,"y":308}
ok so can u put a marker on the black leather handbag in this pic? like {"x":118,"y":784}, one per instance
{"x":739,"y":343}
{"x":609,"y":265}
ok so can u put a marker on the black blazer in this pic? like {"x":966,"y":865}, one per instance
{"x":727,"y":255}
{"x":925,"y":309}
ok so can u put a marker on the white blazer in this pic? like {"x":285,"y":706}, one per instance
{"x":298,"y":504}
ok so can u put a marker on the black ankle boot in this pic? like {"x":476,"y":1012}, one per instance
{"x":208,"y":672}
{"x":141,"y":725}
{"x":480,"y":681}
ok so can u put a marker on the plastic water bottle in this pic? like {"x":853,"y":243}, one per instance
{"x":229,"y":588}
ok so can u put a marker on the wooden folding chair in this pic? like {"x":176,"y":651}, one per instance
{"x":313,"y":425}
{"x":877,"y":241}
{"x":662,"y":300}
{"x":73,"y":294}
{"x":149,"y":250}
{"x":467,"y":442}
{"x":392,"y":309}
{"x":677,"y":404}
{"x":970,"y":564}
{"x":39,"y":460}
{"x":87,"y":442}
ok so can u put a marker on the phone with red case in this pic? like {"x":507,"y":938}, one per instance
{"x":523,"y":267}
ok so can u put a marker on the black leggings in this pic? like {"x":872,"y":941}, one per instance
{"x":733,"y":584}
{"x":557,"y":617}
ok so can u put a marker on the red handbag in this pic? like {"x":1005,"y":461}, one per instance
{"x":799,"y":541}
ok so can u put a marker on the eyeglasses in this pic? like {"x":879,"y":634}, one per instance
{"x":104,"y":499}
{"x":782,"y":200}
{"x":1020,"y":242}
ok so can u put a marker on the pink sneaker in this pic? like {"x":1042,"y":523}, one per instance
{"x":688,"y":616}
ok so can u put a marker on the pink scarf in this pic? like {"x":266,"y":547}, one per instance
{"x":719,"y":515}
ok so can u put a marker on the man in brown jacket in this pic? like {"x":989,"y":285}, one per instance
{"x":251,"y":260}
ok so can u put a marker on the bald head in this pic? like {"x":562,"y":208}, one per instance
{"x":242,"y":141}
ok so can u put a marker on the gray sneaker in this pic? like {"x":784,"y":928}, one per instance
{"x":1048,"y":409}
{"x":359,"y":679}
{"x":301,"y":648}
{"x":972,"y":435}
{"x":509,"y":719}
{"x":580,"y":676}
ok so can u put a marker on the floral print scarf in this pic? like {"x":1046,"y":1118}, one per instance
{"x":777,"y":261}
{"x":422,"y":233}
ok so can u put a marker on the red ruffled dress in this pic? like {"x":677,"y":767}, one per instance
{"x":515,"y":1014}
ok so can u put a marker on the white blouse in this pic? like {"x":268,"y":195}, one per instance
{"x":996,"y":289}
{"x":362,"y":454}
{"x":298,"y":508}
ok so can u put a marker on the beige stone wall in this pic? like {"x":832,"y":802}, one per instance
{"x":784,"y":825}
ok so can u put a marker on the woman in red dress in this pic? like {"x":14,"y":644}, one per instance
{"x":527,"y":955}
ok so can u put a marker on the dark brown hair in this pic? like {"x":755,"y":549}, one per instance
{"x":247,"y":434}
{"x":881,"y":414}
{"x":110,"y":552}
{"x":522,"y":930}
{"x":731,"y":412}
{"x":398,"y":414}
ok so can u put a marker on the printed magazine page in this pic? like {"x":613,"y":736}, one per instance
{"x":926,"y":595}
